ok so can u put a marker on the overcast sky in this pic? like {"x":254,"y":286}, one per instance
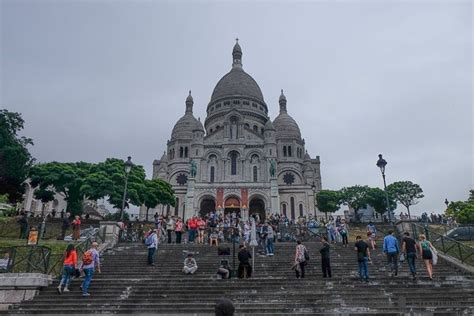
{"x":98,"y":79}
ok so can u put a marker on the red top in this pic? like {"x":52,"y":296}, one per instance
{"x":76,"y":222}
{"x":201,"y":224}
{"x":179,"y":226}
{"x":192,"y":223}
{"x":71,"y":260}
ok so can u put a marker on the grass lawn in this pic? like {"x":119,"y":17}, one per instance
{"x":57,"y":246}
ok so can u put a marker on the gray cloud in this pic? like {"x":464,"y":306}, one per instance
{"x":102,"y":79}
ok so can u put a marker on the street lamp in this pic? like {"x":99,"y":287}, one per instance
{"x":381,"y":163}
{"x":128,"y":167}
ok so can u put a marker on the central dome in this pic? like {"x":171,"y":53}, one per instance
{"x":237,"y":83}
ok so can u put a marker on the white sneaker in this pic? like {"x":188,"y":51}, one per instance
{"x":66,"y":289}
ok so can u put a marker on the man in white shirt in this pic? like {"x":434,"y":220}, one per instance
{"x":152,"y":247}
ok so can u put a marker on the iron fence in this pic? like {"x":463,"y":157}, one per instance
{"x":446,"y":245}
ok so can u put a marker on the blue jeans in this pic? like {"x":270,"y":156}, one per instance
{"x":89,"y":272}
{"x":67,"y":274}
{"x":411,"y":256}
{"x":364,"y":269}
{"x":151,"y":255}
{"x":192,"y":235}
{"x":392,"y":260}
{"x":269,"y":245}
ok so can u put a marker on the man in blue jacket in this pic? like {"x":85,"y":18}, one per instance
{"x":391,"y":249}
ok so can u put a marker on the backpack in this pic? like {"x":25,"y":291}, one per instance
{"x":87,"y":257}
{"x":306,"y":254}
{"x":149,"y":240}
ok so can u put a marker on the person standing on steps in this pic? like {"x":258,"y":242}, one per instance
{"x":69,"y":266}
{"x":65,"y":225}
{"x":301,"y":255}
{"x":344,"y":232}
{"x":363,"y":257}
{"x":270,"y":239}
{"x":76,"y":228}
{"x":391,"y":249}
{"x":170,"y":226}
{"x":245,"y":269}
{"x":325,"y":262}
{"x":90,"y":261}
{"x":152,"y":243}
{"x":178,"y":230}
{"x":372,"y":234}
{"x":190,"y":264}
{"x":409,"y":248}
{"x":427,"y":254}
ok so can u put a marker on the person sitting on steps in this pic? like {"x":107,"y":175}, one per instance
{"x":190,"y":265}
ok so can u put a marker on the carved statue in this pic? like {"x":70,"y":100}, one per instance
{"x":193,"y":169}
{"x":273,"y":168}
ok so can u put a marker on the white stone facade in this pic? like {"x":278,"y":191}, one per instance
{"x":233,"y":154}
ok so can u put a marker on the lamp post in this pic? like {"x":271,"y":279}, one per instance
{"x":381,"y":163}
{"x":128,"y":167}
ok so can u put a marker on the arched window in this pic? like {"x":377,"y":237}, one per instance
{"x":233,"y":163}
{"x":211,"y":178}
{"x":185,"y":152}
{"x":284,"y":151}
{"x":181,"y":152}
{"x":176,"y":208}
{"x":292,"y":206}
{"x":255,"y":175}
{"x":284,"y":209}
{"x":301,"y":210}
{"x":289,"y":151}
{"x":255,"y":128}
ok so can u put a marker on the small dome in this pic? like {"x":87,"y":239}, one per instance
{"x":286,"y":127}
{"x":269,"y":125}
{"x":199,"y":126}
{"x":183,"y":129}
{"x":307,"y":156}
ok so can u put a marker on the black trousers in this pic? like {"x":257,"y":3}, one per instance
{"x":326,"y":266}
{"x":169,"y":236}
{"x":178,"y":237}
{"x":245,"y":270}
{"x":298,"y":274}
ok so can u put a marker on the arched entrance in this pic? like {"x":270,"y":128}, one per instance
{"x":257,"y":206}
{"x":208,"y":204}
{"x":232,"y":204}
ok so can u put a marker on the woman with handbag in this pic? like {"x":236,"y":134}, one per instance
{"x":427,"y":250}
{"x":69,"y":267}
{"x":300,"y":261}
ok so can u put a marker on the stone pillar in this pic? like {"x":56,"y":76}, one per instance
{"x":274,"y":196}
{"x":189,"y":208}
{"x":112,"y":231}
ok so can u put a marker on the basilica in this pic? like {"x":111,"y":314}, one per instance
{"x":239,"y":160}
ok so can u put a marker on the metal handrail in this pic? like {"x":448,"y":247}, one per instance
{"x":446,"y":245}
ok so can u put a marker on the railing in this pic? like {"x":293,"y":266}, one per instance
{"x":41,"y":259}
{"x":446,"y":245}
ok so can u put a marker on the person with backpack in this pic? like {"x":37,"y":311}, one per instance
{"x":427,"y":254}
{"x":69,"y":266}
{"x":151,"y":242}
{"x":301,"y":259}
{"x":344,"y":231}
{"x":363,"y":257}
{"x":90,"y":261}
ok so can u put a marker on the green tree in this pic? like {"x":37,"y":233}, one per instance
{"x":355,"y":197}
{"x":156,"y":192}
{"x":62,"y":177}
{"x":15,"y":159}
{"x":462,"y":211}
{"x":45,"y":196}
{"x":406,"y":193}
{"x":376,"y":198}
{"x":328,"y":201}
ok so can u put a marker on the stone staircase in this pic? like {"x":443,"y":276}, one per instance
{"x":128,"y":286}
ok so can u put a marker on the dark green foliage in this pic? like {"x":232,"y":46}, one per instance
{"x":157,"y":192}
{"x":356,"y":197}
{"x":376,"y":198}
{"x":406,"y":193}
{"x":462,"y":211}
{"x":15,"y":159}
{"x":328,"y":201}
{"x":116,"y":217}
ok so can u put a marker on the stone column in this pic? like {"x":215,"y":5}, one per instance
{"x":190,"y":198}
{"x":274,"y":196}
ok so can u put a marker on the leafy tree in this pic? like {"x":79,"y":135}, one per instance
{"x":116,"y":217}
{"x":462,"y":211}
{"x":376,"y":198}
{"x":406,"y":193}
{"x":62,"y":177}
{"x":15,"y":159}
{"x":4,"y":198}
{"x":328,"y":201}
{"x":355,"y":197}
{"x":156,"y":192}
